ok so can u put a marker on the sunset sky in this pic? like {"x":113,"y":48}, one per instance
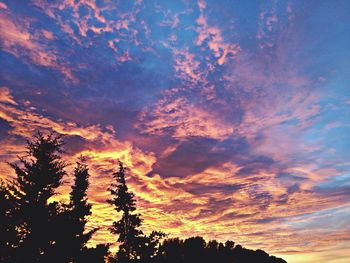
{"x":233,"y":116}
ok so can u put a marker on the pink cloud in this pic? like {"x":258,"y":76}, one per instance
{"x":47,"y":34}
{"x":186,"y":119}
{"x":269,"y":24}
{"x":82,"y":22}
{"x":213,"y":35}
{"x":18,"y":41}
{"x":186,"y":66}
{"x":3,"y":5}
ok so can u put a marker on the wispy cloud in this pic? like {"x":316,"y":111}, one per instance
{"x":181,"y":119}
{"x":17,"y":40}
{"x":213,"y":38}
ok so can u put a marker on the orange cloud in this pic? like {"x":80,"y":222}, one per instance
{"x":5,"y":96}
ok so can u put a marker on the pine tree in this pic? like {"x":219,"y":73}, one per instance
{"x":71,"y":220}
{"x":130,"y":237}
{"x":37,"y":178}
{"x":79,"y":210}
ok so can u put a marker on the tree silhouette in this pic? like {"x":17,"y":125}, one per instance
{"x":37,"y":178}
{"x":80,"y":209}
{"x":130,"y":237}
{"x":171,"y":251}
{"x":212,"y":250}
{"x":95,"y":255}
{"x":195,"y":249}
{"x":73,"y":218}
{"x":149,"y":249}
{"x":9,"y":238}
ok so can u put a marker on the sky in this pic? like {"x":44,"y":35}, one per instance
{"x":232,"y":116}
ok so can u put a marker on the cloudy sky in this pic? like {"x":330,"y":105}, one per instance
{"x":233,"y":116}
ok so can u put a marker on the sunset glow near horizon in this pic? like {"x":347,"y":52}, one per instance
{"x":233,"y":116}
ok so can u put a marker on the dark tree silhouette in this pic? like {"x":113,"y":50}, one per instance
{"x":37,"y":177}
{"x":150,"y":244}
{"x":95,"y":255}
{"x":9,"y":238}
{"x":171,"y":251}
{"x":130,"y":237}
{"x":212,"y":250}
{"x":73,"y":218}
{"x":80,"y":209}
{"x":195,"y":249}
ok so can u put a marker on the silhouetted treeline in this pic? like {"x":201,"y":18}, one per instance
{"x":196,"y":249}
{"x":34,"y":228}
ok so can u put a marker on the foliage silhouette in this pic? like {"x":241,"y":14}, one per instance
{"x":80,"y":209}
{"x":73,"y":218}
{"x":34,"y":228}
{"x":95,"y":255}
{"x":9,"y":238}
{"x":129,"y":236}
{"x":196,"y":249}
{"x":37,"y":178}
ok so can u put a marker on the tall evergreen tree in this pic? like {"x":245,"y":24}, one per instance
{"x":79,"y":210}
{"x":37,"y":177}
{"x":70,"y":222}
{"x":130,"y":237}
